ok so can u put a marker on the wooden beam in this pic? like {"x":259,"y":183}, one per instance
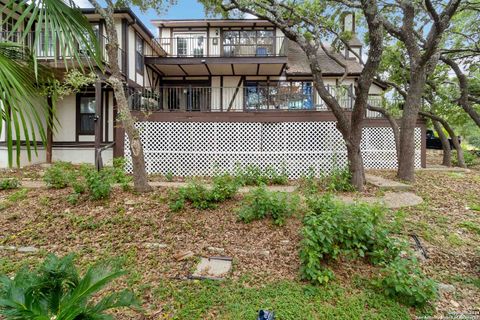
{"x":49,"y":130}
{"x":215,"y":60}
{"x":183,"y":70}
{"x":236,"y":92}
{"x":98,"y":118}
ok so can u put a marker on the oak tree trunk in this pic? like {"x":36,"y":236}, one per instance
{"x":406,"y":165}
{"x":451,"y":133}
{"x":140,"y":179}
{"x":355,"y":165}
{"x":447,"y":152}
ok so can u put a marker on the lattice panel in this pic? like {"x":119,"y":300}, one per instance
{"x":201,"y":148}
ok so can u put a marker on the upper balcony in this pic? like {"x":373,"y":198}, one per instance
{"x":47,"y":52}
{"x":232,"y":47}
{"x":197,"y":53}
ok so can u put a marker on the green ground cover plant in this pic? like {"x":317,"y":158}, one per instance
{"x":85,"y":179}
{"x":289,"y":299}
{"x":200,"y":197}
{"x":260,"y":203}
{"x":338,"y":180}
{"x":403,"y":280}
{"x":9,"y":183}
{"x":333,"y":230}
{"x":252,"y":175}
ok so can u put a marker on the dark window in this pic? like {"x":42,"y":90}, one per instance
{"x":6,"y":26}
{"x":87,"y":115}
{"x":248,"y":43}
{"x":181,"y":46}
{"x":279,"y":95}
{"x":139,"y":63}
{"x":102,"y":40}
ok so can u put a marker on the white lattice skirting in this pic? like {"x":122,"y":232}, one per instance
{"x":202,"y":148}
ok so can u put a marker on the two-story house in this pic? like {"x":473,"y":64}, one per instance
{"x":212,"y":94}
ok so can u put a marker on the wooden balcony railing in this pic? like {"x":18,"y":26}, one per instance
{"x":46,"y":50}
{"x":203,"y":46}
{"x":239,"y":99}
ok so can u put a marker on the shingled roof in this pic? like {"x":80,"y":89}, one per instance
{"x":297,"y":63}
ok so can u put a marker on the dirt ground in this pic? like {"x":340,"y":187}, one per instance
{"x":140,"y":232}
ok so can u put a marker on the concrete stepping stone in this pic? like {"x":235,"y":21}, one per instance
{"x":215,"y":268}
{"x":386,"y":184}
{"x":395,"y":200}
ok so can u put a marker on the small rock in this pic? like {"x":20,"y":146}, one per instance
{"x":444,"y":287}
{"x":215,"y":249}
{"x":265,"y":253}
{"x":155,"y":245}
{"x":67,"y":211}
{"x":455,"y":303}
{"x":183,"y":255}
{"x":285,"y":241}
{"x":130,"y":202}
{"x":27,"y":249}
{"x":7,"y":248}
{"x":420,"y":256}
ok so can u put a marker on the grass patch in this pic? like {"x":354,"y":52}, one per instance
{"x":288,"y":299}
{"x":470,"y":226}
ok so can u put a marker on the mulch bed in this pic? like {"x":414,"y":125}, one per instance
{"x":133,"y":227}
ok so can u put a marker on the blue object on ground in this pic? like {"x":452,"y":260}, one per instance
{"x":265,"y":315}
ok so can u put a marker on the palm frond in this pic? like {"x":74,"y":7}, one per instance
{"x":57,"y":26}
{"x":21,"y":105}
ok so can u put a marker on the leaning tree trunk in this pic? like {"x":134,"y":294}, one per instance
{"x":393,"y":124}
{"x":451,"y":133}
{"x":463,"y":100}
{"x":140,"y":179}
{"x":456,"y":145}
{"x":447,"y":152}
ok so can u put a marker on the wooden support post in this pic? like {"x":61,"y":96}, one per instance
{"x":98,"y":121}
{"x":49,"y":130}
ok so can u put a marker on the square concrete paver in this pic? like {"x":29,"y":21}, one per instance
{"x":213,"y":268}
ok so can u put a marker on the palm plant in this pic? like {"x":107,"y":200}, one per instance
{"x":55,"y":290}
{"x":23,"y":108}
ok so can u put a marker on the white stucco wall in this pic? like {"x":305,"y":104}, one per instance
{"x":66,"y":115}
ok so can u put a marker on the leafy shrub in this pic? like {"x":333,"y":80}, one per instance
{"x":309,"y":185}
{"x":469,"y":157}
{"x":18,"y":195}
{"x":253,"y":175}
{"x":73,"y":198}
{"x":59,"y":175}
{"x":98,"y":183}
{"x":169,"y":176}
{"x":261,"y":203}
{"x":338,"y":181}
{"x":224,"y":187}
{"x":55,"y":290}
{"x":6,"y":184}
{"x":116,"y":173}
{"x":333,"y":229}
{"x":403,"y":280}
